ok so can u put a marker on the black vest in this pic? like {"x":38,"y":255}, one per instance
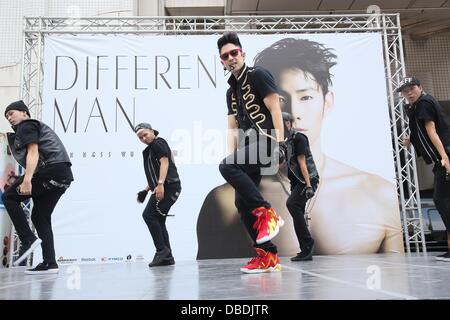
{"x":51,"y":149}
{"x":292,"y":162}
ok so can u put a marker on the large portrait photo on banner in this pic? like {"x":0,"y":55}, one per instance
{"x":334,"y":86}
{"x":96,"y":88}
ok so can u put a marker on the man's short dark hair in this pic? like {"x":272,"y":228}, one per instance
{"x":309,"y":56}
{"x":228,"y":37}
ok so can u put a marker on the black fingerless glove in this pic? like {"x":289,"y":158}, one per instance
{"x":282,"y":152}
{"x":308,"y":192}
{"x":141,"y":195}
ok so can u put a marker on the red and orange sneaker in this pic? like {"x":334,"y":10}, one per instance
{"x":265,"y":261}
{"x":267,"y":224}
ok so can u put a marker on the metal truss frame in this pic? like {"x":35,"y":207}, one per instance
{"x":388,"y":25}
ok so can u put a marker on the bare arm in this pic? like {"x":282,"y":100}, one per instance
{"x":272,"y":101}
{"x":164,"y":167}
{"x":301,"y":160}
{"x":30,"y":167}
{"x":232,"y":134}
{"x":434,"y":137}
{"x":406,"y":141}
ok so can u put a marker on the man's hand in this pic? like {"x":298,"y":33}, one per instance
{"x":25,"y":187}
{"x":159,"y":190}
{"x":141,"y":196}
{"x":446,"y":164}
{"x":406,"y":141}
{"x":308,"y":192}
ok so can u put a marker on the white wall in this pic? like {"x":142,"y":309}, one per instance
{"x":429,"y":60}
{"x":9,"y":91}
{"x":149,"y":7}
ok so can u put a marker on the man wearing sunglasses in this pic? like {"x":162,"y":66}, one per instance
{"x":253,"y":108}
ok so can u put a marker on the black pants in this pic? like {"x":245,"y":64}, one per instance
{"x":45,"y":197}
{"x":296,"y":204}
{"x":441,"y":194}
{"x":156,"y":222}
{"x":245,"y":178}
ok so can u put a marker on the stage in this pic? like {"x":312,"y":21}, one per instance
{"x":376,"y":276}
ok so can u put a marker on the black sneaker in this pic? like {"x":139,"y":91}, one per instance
{"x":306,"y":255}
{"x":162,"y":258}
{"x":26,"y":249}
{"x":44,"y":268}
{"x":444,"y":257}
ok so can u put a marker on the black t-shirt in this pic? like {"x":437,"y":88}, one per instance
{"x":263,"y":82}
{"x":28,"y":132}
{"x":243,"y":120}
{"x":301,"y":147}
{"x":260,"y":82}
{"x":427,"y":109}
{"x":158,"y":149}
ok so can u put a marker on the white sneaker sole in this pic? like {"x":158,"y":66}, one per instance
{"x":277,"y":268}
{"x":443,"y":259}
{"x":33,"y":247}
{"x":49,"y":271}
{"x":269,"y":237}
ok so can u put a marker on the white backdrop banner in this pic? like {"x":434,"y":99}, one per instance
{"x":96,"y":88}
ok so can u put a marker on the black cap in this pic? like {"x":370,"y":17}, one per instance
{"x":287,"y":117}
{"x":18,"y":105}
{"x":144,"y":125}
{"x":407,"y":82}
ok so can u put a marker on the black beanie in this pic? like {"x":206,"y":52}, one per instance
{"x":18,"y":105}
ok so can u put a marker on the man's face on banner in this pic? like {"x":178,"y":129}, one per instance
{"x":308,"y":104}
